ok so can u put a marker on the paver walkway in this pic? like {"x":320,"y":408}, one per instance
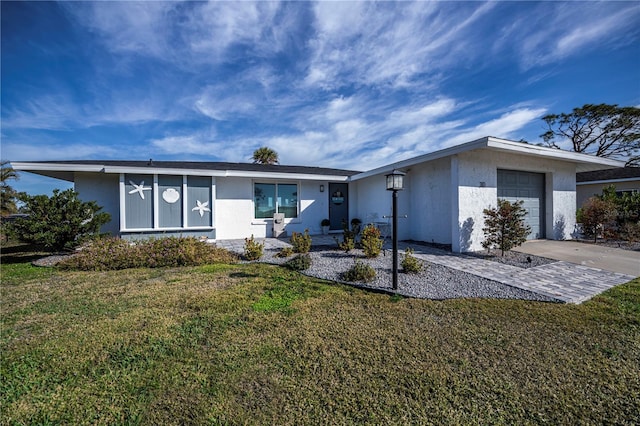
{"x":564,"y":281}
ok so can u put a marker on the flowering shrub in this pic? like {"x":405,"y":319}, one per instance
{"x":114,"y":253}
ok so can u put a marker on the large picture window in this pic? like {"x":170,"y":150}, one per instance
{"x":270,"y":198}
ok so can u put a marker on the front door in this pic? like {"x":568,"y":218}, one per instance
{"x":338,"y":204}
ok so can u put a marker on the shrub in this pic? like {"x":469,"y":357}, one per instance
{"x":285,"y":252}
{"x":626,"y":208}
{"x":598,"y":216}
{"x":59,"y":222}
{"x":299,"y":263}
{"x":504,"y":226}
{"x":325,"y":222}
{"x":410,"y":264}
{"x":360,"y":271}
{"x":371,"y":242}
{"x":114,"y":253}
{"x":252,"y":249}
{"x":355,"y":225}
{"x":301,"y":242}
{"x":630,"y":231}
{"x":348,"y":236}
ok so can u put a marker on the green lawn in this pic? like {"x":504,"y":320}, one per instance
{"x":257,"y":344}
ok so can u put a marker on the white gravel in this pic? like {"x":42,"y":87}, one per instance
{"x":434,"y":282}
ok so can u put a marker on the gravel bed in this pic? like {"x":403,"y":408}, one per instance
{"x":434,"y":282}
{"x":513,"y":258}
{"x":50,"y":261}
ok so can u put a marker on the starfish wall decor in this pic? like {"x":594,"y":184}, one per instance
{"x":139,"y":189}
{"x":201,"y":207}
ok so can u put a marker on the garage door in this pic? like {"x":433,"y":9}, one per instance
{"x":528,"y":187}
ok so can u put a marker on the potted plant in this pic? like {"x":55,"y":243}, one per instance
{"x":325,"y":226}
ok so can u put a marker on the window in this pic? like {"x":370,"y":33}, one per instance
{"x":270,"y":198}
{"x":622,"y":193}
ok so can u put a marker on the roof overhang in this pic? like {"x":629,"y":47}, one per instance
{"x":608,"y":181}
{"x":67,"y":171}
{"x":584,"y":162}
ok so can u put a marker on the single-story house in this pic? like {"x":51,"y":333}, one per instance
{"x":592,"y":183}
{"x":444,"y":197}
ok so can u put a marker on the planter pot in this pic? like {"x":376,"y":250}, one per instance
{"x":325,"y":230}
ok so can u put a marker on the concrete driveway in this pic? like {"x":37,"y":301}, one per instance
{"x":594,"y":256}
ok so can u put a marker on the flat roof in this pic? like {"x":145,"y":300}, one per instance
{"x":67,"y":168}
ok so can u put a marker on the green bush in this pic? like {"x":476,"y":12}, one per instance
{"x":301,"y":242}
{"x":252,"y":249}
{"x":617,"y":215}
{"x":504,"y":226}
{"x":299,"y":263}
{"x":371,"y":241}
{"x":113,"y":253}
{"x":630,"y":231}
{"x":348,"y":236}
{"x":410,"y":264}
{"x":59,"y":222}
{"x":360,"y":271}
{"x":285,"y":252}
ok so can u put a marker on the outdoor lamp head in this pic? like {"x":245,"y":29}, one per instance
{"x":395,"y":181}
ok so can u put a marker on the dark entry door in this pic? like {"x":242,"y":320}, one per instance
{"x":338,"y":204}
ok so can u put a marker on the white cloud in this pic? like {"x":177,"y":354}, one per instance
{"x":17,"y":151}
{"x":504,"y":126}
{"x":555,"y":31}
{"x":389,"y":43}
{"x":127,"y":26}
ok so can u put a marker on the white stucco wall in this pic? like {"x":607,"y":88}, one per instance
{"x":235,"y":210}
{"x":373,"y":202}
{"x":429,"y":190}
{"x":561,"y":202}
{"x":103,"y":189}
{"x":474,"y":167}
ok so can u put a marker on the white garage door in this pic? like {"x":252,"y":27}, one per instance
{"x":528,"y":187}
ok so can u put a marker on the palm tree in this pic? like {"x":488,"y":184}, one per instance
{"x":7,"y":193}
{"x":265,"y":155}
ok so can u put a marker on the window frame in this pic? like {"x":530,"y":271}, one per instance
{"x":276,"y":183}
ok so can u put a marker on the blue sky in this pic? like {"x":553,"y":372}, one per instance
{"x":337,"y":84}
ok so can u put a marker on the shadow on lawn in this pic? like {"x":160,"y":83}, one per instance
{"x":21,"y":253}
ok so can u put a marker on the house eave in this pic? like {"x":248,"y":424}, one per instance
{"x":583,"y":162}
{"x":56,"y":170}
{"x":606,"y":181}
{"x":66,"y":171}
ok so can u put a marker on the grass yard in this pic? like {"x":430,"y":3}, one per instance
{"x":258,"y":344}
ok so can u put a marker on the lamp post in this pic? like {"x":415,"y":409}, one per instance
{"x":395,"y":183}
